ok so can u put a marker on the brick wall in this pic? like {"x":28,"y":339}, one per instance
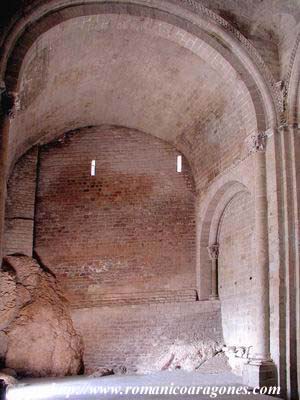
{"x":137,"y":337}
{"x":221,"y":132}
{"x":20,"y":203}
{"x":237,"y":283}
{"x":130,"y":229}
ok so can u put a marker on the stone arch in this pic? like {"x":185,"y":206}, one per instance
{"x":213,"y":29}
{"x":293,"y":84}
{"x":208,"y":229}
{"x":229,"y":199}
{"x":192,"y":17}
{"x":236,"y":269}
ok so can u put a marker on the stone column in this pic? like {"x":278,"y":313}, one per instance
{"x":290,"y":145}
{"x":261,"y":370}
{"x":213,"y":252}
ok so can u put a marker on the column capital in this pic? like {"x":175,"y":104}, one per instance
{"x":10,"y":102}
{"x":213,"y":251}
{"x":257,"y":142}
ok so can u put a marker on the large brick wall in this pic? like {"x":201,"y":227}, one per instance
{"x":20,"y":203}
{"x":129,"y":229}
{"x":137,"y":337}
{"x":237,"y":283}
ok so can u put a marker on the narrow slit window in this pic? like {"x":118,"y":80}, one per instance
{"x":93,"y":168}
{"x":179,"y":163}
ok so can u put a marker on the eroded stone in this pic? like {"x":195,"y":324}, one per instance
{"x":41,"y":340}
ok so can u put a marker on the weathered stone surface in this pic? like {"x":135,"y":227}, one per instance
{"x":143,"y":338}
{"x":8,"y":299}
{"x":182,"y":355}
{"x":120,"y":370}
{"x":102,"y":372}
{"x":7,"y":377}
{"x":215,"y":365}
{"x":3,"y":346}
{"x":41,"y":340}
{"x":237,"y":358}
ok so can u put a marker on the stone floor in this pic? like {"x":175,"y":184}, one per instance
{"x":81,"y":388}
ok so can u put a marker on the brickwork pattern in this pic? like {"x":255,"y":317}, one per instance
{"x":129,"y":229}
{"x":135,"y":336}
{"x":20,"y":205}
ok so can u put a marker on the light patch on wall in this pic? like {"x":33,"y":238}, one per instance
{"x":179,"y":163}
{"x":93,"y":168}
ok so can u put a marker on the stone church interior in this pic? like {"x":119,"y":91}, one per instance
{"x":150,"y":190}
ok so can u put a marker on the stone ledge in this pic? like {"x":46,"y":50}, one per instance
{"x":124,"y":299}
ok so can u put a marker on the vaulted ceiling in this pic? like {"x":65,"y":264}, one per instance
{"x":272,"y":22}
{"x":148,"y":70}
{"x":129,"y":71}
